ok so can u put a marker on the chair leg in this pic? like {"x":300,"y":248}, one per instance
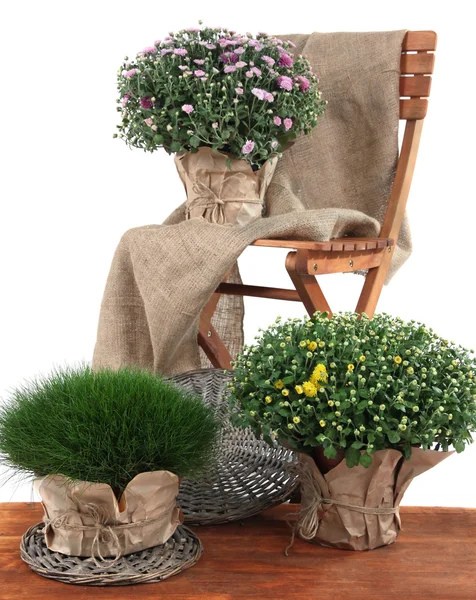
{"x":373,"y":285}
{"x":208,"y":339}
{"x":211,"y":344}
{"x":307,"y":287}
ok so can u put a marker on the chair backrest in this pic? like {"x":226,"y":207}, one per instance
{"x":416,"y":67}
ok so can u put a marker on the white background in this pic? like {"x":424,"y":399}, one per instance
{"x":68,"y":190}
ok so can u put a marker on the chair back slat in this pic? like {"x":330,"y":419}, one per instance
{"x":416,"y":66}
{"x":419,"y":40}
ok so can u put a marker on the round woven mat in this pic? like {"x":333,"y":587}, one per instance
{"x":249,"y":475}
{"x":180,"y":552}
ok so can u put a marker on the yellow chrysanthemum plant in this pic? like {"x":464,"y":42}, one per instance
{"x":355,"y":385}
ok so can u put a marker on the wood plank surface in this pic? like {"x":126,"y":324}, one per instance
{"x":434,"y":558}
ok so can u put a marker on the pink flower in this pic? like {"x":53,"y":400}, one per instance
{"x":256,"y":71}
{"x":288,"y":123}
{"x":262,"y":94}
{"x":229,"y":69}
{"x":149,"y":122}
{"x":256,"y":45}
{"x":199,"y":73}
{"x":223,"y":43}
{"x":303,"y":83}
{"x":285,"y":60}
{"x":165,"y":51}
{"x":248,"y":147}
{"x":210,"y":46}
{"x":249,"y":74}
{"x":125,"y":99}
{"x":274,"y":144}
{"x":204,"y":78}
{"x":240,"y":64}
{"x":199,"y":61}
{"x":292,"y":44}
{"x":158,"y":42}
{"x":258,"y":93}
{"x":148,"y":50}
{"x":180,"y":51}
{"x":277,"y":121}
{"x":239,"y":50}
{"x":239,"y":90}
{"x":183,"y":67}
{"x":268,"y":60}
{"x":146,"y":102}
{"x":192,"y":29}
{"x":129,"y":74}
{"x":188,"y":108}
{"x":229,"y":57}
{"x":215,"y":125}
{"x":285,"y":83}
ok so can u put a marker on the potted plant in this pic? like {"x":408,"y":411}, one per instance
{"x":227,"y":105}
{"x":369,"y":404}
{"x":107,"y":450}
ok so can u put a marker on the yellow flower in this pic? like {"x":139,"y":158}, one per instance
{"x":302,"y":344}
{"x":288,"y":338}
{"x":319,"y":374}
{"x":296,"y":420}
{"x":268,"y":399}
{"x":322,"y":344}
{"x":312,"y":346}
{"x":362,"y":358}
{"x":279,"y":384}
{"x":350,"y":368}
{"x":309,"y":389}
{"x":322,"y":423}
{"x":398,"y":359}
{"x":299,"y":389}
{"x":285,"y":392}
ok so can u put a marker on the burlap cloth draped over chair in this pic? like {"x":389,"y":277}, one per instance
{"x":333,"y":183}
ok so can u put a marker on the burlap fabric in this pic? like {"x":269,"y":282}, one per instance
{"x":333,"y":183}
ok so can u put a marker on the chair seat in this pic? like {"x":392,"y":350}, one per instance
{"x":347,"y":244}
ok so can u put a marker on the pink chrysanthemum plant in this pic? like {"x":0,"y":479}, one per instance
{"x":211,"y":87}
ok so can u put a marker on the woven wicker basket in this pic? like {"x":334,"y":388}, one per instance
{"x":180,"y":552}
{"x":249,"y":475}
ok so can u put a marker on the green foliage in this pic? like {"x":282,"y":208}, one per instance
{"x":356,"y":384}
{"x":105,"y":427}
{"x":222,"y":76}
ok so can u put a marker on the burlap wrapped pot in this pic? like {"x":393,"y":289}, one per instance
{"x":222,"y":189}
{"x":85,"y":519}
{"x":358,"y":508}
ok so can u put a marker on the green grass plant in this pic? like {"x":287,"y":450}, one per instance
{"x":105,"y":427}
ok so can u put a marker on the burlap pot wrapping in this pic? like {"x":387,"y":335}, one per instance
{"x":358,"y":508}
{"x":85,"y":519}
{"x":221,"y":189}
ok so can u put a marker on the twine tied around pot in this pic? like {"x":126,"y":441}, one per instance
{"x":204,"y":198}
{"x":307,"y":522}
{"x":105,"y":533}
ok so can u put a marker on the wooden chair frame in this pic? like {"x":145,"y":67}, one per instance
{"x":308,"y":259}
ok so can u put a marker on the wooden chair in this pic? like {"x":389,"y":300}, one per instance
{"x":308,"y":259}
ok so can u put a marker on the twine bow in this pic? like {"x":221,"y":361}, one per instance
{"x":308,"y":521}
{"x":105,"y":534}
{"x":206,"y":198}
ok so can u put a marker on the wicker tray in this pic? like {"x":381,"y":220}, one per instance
{"x":249,"y":476}
{"x":180,"y":552}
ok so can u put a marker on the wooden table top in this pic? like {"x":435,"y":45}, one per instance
{"x":433,"y":558}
